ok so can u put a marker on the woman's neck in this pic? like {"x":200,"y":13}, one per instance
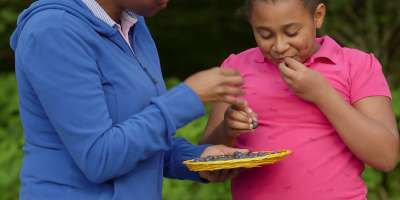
{"x":112,"y":9}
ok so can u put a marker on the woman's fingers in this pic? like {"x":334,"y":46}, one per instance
{"x":229,"y":72}
{"x":231,"y":100}
{"x":236,"y":80}
{"x":233,"y":173}
{"x":231,"y":91}
{"x":224,"y":175}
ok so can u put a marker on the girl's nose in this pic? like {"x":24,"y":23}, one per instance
{"x":280,"y":46}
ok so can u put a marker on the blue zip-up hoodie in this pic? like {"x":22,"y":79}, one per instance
{"x":98,"y":121}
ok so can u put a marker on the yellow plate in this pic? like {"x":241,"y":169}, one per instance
{"x":270,"y":158}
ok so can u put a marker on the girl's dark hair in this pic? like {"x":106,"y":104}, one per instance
{"x":309,"y":4}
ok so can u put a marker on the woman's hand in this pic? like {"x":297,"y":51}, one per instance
{"x":305,"y":82}
{"x":220,"y":175}
{"x":239,"y":119}
{"x":217,"y":85}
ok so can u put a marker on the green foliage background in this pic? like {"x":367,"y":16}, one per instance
{"x":193,"y":35}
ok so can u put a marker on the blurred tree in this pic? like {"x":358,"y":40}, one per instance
{"x":193,"y":35}
{"x":370,"y":25}
{"x":9,"y":10}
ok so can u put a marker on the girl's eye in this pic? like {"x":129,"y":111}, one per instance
{"x":292,"y":34}
{"x":265,"y":35}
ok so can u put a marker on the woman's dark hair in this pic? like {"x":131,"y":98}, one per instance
{"x":309,"y":4}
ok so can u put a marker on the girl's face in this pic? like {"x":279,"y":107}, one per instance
{"x":286,"y":28}
{"x":144,"y":7}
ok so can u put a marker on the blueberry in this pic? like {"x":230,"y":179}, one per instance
{"x":223,"y":157}
{"x":228,"y":158}
{"x":252,"y":155}
{"x":261,"y":154}
{"x":210,"y":158}
{"x":254,"y":124}
{"x":238,"y":155}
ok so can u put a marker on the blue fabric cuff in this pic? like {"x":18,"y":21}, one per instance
{"x":180,"y":106}
{"x":194,"y":154}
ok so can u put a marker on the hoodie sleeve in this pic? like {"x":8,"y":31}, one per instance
{"x":64,"y":76}
{"x":180,"y":151}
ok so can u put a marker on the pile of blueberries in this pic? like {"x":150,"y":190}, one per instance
{"x":235,"y":155}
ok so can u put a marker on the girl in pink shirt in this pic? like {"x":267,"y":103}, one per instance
{"x":329,"y":104}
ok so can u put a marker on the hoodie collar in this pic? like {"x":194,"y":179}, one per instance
{"x":73,"y":7}
{"x":100,"y":13}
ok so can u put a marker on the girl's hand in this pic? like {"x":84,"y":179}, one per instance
{"x":239,"y":119}
{"x":305,"y":82}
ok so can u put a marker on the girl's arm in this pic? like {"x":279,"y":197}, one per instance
{"x":368,"y":127}
{"x":216,"y":131}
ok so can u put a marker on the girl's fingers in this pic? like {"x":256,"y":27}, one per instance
{"x":289,"y":81}
{"x":286,"y":71}
{"x":236,"y":133}
{"x":253,"y":116}
{"x":237,"y":125}
{"x":240,"y":116}
{"x":293,"y":64}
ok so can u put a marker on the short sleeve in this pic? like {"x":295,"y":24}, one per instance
{"x":367,"y":79}
{"x":229,"y":62}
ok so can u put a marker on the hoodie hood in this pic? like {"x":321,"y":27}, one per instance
{"x":74,"y":7}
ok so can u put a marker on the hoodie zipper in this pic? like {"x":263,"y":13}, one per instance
{"x":135,"y":56}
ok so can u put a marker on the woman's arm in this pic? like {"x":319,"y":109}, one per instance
{"x":57,"y":61}
{"x":180,"y":151}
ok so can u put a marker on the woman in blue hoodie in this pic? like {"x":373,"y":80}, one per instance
{"x":98,"y":120}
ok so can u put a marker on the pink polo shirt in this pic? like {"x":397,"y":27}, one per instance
{"x":321,"y":166}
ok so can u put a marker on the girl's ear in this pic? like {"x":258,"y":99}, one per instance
{"x":319,"y":15}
